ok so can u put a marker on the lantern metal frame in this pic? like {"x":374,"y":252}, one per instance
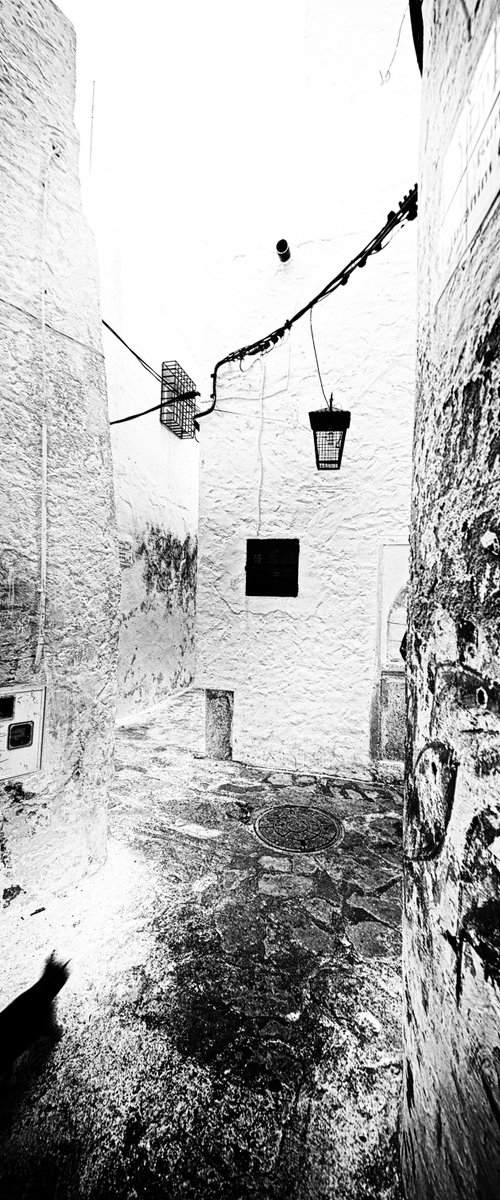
{"x":329,"y":426}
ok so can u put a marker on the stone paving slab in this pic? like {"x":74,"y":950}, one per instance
{"x":232,"y":1019}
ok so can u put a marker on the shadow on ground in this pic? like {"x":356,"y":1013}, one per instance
{"x":232,"y":1021}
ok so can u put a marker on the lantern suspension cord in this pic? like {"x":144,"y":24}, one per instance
{"x":407,"y":211}
{"x":316,"y":357}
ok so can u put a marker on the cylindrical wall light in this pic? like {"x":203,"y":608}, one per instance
{"x":283,"y":250}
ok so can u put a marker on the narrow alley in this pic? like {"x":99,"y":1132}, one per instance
{"x":249,"y":600}
{"x":232,"y":1020}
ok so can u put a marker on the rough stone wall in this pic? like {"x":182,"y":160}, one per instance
{"x":451,"y":1119}
{"x":303,"y":670}
{"x":54,"y":821}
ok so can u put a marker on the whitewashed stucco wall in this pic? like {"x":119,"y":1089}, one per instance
{"x":303,"y":670}
{"x":156,"y":487}
{"x":120,"y":113}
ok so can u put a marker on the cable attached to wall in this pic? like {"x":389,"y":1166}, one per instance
{"x":40,"y":645}
{"x":259,"y":447}
{"x":407,"y":211}
{"x":151,"y":371}
{"x":135,"y":354}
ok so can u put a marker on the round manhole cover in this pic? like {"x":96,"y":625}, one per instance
{"x":292,"y":827}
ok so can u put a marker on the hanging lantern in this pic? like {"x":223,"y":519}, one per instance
{"x":329,"y":426}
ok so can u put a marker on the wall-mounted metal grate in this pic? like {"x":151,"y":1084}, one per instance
{"x":272,"y":567}
{"x":178,"y":404}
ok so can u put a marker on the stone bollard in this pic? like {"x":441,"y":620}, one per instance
{"x":219,"y":723}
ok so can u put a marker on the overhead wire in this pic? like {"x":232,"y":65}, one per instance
{"x":120,"y":420}
{"x":407,"y":211}
{"x":151,"y":370}
{"x":256,"y":416}
{"x":134,"y":352}
{"x":386,"y":77}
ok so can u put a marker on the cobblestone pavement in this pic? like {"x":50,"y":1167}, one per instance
{"x":232,"y":1019}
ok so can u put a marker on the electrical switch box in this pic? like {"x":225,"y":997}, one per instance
{"x":21,"y":730}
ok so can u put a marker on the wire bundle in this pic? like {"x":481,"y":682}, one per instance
{"x":407,"y":211}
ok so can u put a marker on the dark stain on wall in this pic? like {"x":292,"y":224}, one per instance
{"x":169,"y":568}
{"x":4,"y":853}
{"x":480,"y":928}
{"x":12,"y":793}
{"x":9,"y":894}
{"x":17,"y":794}
{"x":490,"y":1075}
{"x":479,"y":901}
{"x":467,"y":638}
{"x":429,"y":800}
{"x":409,"y":1086}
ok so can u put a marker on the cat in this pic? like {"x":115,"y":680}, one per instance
{"x":32,"y":1014}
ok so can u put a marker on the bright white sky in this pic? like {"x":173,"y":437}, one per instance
{"x":213,"y":106}
{"x":223,"y":126}
{"x":200,"y":100}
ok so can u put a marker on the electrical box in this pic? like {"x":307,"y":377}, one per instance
{"x":21,"y":730}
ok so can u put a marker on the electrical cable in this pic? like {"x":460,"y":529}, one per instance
{"x":120,"y":420}
{"x":40,"y":645}
{"x":164,"y":403}
{"x":231,"y":412}
{"x":407,"y":211}
{"x":134,"y":352}
{"x":259,"y":447}
{"x":60,"y":332}
{"x":385,"y":78}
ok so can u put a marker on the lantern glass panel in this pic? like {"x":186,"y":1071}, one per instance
{"x":329,"y":446}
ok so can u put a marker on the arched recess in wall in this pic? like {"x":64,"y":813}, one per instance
{"x":390,"y":717}
{"x":396,"y":628}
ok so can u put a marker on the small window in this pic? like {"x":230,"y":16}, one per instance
{"x":272,"y":567}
